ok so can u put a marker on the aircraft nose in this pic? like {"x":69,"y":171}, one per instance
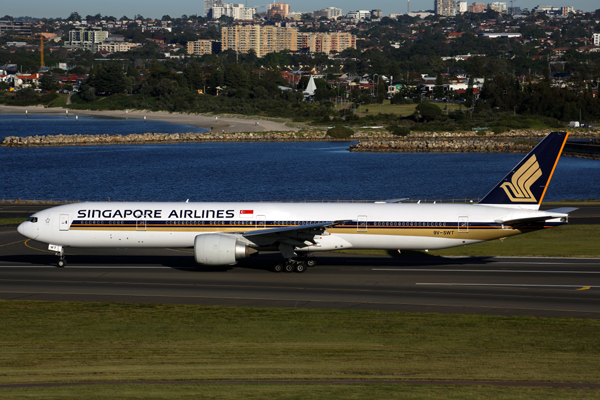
{"x":22,"y":229}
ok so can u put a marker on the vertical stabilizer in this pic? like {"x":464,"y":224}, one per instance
{"x":526,"y":184}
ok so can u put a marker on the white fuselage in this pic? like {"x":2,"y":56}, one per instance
{"x":362,"y":225}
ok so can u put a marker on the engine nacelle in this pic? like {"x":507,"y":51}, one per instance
{"x":220,"y":249}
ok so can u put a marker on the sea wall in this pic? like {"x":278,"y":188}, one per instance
{"x":443,"y":146}
{"x":369,"y":137}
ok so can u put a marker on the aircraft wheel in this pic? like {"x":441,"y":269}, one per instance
{"x":289,"y":267}
{"x":61,"y":263}
{"x":278,"y":268}
{"x":311,"y":262}
{"x":300,"y":267}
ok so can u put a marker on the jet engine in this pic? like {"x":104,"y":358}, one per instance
{"x":220,"y":249}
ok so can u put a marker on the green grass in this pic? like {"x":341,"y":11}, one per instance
{"x":61,"y":101}
{"x":563,"y":241}
{"x":9,"y":221}
{"x":402,"y":110}
{"x":298,"y":391}
{"x":103,"y":342}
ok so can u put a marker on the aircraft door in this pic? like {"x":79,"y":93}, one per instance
{"x":64,"y":222}
{"x":463,"y":224}
{"x":361,"y":223}
{"x":140,"y":225}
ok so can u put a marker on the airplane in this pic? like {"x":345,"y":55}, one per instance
{"x":222,"y":233}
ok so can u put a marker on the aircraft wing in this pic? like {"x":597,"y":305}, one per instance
{"x":296,"y":236}
{"x":562,"y":212}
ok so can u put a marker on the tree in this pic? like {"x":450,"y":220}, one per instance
{"x":49,"y":83}
{"x":74,"y":17}
{"x":469,"y":93}
{"x":438,"y":90}
{"x":428,"y":111}
{"x":109,"y":79}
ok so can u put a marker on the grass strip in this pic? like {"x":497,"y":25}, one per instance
{"x":298,"y":391}
{"x":563,"y":241}
{"x":9,"y":221}
{"x":103,"y":342}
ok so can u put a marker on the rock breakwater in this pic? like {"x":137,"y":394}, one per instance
{"x":444,"y":146}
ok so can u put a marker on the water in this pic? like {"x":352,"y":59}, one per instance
{"x":266,"y":171}
{"x":248,"y":171}
{"x":40,"y":124}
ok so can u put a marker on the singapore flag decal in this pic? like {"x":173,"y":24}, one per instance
{"x":247,"y":212}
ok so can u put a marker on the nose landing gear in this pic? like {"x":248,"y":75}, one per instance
{"x":59,"y":251}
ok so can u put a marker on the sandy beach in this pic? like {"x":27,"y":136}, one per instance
{"x":217,"y":123}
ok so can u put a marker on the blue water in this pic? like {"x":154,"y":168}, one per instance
{"x":20,"y":125}
{"x":266,"y":171}
{"x":248,"y":171}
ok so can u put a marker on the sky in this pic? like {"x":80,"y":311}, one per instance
{"x":156,"y":9}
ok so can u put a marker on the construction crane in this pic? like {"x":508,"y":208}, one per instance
{"x":41,"y":37}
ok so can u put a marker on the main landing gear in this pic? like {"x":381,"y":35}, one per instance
{"x":292,"y":265}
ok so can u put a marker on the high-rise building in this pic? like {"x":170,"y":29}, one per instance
{"x":281,"y":9}
{"x":269,"y":39}
{"x":444,"y":7}
{"x":596,"y":39}
{"x":329,"y":13}
{"x":498,"y":7}
{"x":208,"y":5}
{"x":477,"y":8}
{"x":235,"y":11}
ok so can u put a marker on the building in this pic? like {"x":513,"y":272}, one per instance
{"x":17,"y":27}
{"x":498,"y":7}
{"x":477,"y":8}
{"x":444,"y":7}
{"x":321,"y":42}
{"x":270,"y":39}
{"x":281,"y":9}
{"x":596,"y":39}
{"x":208,"y":5}
{"x":360,"y":14}
{"x":235,"y":11}
{"x":87,"y":38}
{"x":460,"y":7}
{"x":376,"y":14}
{"x":261,"y":39}
{"x":329,"y":13}
{"x":200,"y":47}
{"x":116,"y":47}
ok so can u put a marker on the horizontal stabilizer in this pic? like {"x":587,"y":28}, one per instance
{"x":543,"y":216}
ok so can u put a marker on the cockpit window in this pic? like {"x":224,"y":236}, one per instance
{"x":32,"y":219}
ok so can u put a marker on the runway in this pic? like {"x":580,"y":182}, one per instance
{"x":543,"y":287}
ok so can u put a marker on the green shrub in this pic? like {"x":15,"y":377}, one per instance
{"x":399,"y":130}
{"x":499,"y":129}
{"x":340,"y":132}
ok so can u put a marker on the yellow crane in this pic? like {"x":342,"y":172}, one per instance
{"x":41,"y":37}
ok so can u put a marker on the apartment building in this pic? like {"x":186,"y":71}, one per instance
{"x":208,"y":5}
{"x":200,"y":47}
{"x":269,"y":39}
{"x":87,"y":38}
{"x":235,"y":11}
{"x":329,"y":13}
{"x":116,"y":47}
{"x":444,"y":7}
{"x":281,"y":9}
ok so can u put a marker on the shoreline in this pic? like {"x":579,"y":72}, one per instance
{"x":216,"y":122}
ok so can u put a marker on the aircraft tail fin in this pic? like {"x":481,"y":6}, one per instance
{"x":525,"y":186}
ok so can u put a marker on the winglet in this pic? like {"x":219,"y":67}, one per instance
{"x":527,"y":183}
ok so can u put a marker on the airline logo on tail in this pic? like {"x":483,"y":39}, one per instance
{"x":519,"y":189}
